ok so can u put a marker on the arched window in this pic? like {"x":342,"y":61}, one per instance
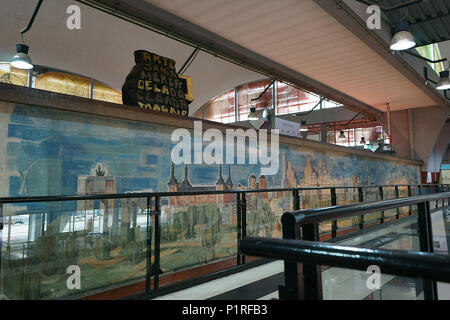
{"x":234,"y":105}
{"x":50,"y":79}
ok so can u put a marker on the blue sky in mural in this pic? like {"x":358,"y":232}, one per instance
{"x":50,"y":149}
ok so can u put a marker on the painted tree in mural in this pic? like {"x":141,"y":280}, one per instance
{"x":168,"y":234}
{"x":177,"y":226}
{"x":134,"y":248}
{"x":260,"y":222}
{"x":211,"y":233}
{"x":182,"y":224}
{"x":192,"y":215}
{"x":50,"y":263}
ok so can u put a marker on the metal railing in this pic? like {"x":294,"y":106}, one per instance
{"x":153,"y":210}
{"x":301,"y":243}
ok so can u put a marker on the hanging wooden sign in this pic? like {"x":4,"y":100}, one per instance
{"x":154,"y":84}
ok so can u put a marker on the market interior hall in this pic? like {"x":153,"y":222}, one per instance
{"x":197,"y":150}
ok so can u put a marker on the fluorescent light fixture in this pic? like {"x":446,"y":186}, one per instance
{"x":303,"y":127}
{"x":21,"y":60}
{"x":252,"y":115}
{"x":402,"y":39}
{"x":444,"y":81}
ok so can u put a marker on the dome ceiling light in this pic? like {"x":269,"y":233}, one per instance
{"x":303,"y":127}
{"x":402,"y":39}
{"x":21,"y":60}
{"x":444,"y":81}
{"x":253,"y":115}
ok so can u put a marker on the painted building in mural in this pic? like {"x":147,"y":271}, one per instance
{"x":226,"y":201}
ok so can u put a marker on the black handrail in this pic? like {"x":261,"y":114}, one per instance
{"x":396,"y":262}
{"x":303,"y":225}
{"x":307,"y":216}
{"x":153,"y":211}
{"x":6,"y":200}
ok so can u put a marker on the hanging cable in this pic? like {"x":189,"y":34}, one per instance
{"x":423,"y":58}
{"x":310,"y":111}
{"x":30,"y":23}
{"x":262,"y":93}
{"x":189,"y":61}
{"x":352,"y":119}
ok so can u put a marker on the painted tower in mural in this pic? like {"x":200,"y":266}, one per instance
{"x":224,"y":202}
{"x":98,"y":184}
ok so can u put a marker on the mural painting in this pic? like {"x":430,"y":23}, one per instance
{"x":51,"y":152}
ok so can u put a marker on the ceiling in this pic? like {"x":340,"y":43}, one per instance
{"x":103,"y":48}
{"x":429,"y":21}
{"x":298,"y":37}
{"x":303,"y":37}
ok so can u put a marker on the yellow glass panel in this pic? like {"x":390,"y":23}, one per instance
{"x":105,"y":93}
{"x":63,"y":83}
{"x":11,"y":75}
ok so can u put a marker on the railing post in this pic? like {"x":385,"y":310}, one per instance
{"x":426,"y":245}
{"x":156,"y":268}
{"x":334,"y":222}
{"x":409,"y":195}
{"x":361,"y":200}
{"x":149,"y":248}
{"x":296,"y":200}
{"x":292,"y":283}
{"x":244,"y":219}
{"x":447,"y":188}
{"x":1,"y":246}
{"x":437,"y":190}
{"x":444,"y":218}
{"x":312,"y":275}
{"x":239,"y":226}
{"x":397,"y":195}
{"x":380,"y":190}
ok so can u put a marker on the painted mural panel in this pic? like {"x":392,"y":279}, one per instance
{"x":50,"y":152}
